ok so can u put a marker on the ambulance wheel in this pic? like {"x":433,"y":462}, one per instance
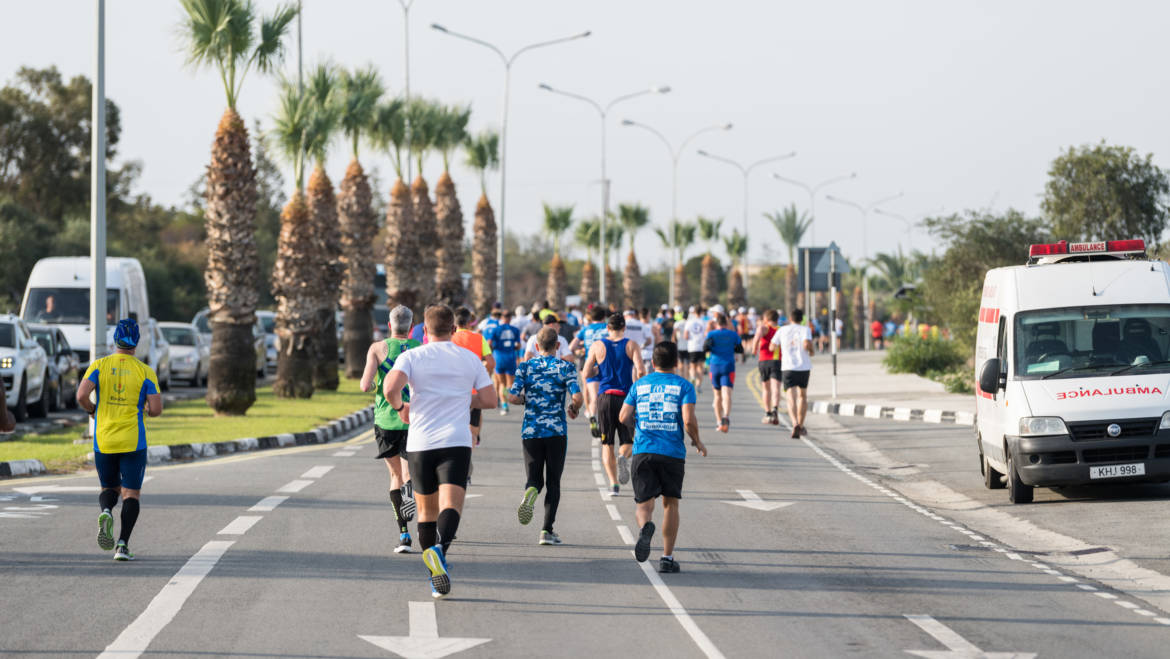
{"x":992,"y":479}
{"x":1018,"y":492}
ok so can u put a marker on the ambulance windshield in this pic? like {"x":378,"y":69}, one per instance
{"x":1093,"y":341}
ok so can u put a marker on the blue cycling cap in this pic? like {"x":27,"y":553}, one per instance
{"x":126,"y":333}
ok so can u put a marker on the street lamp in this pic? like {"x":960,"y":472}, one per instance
{"x":97,"y":192}
{"x":675,"y":154}
{"x":406,"y":78}
{"x":812,"y":196}
{"x":507,"y":61}
{"x":603,"y":111}
{"x":746,"y":172}
{"x":865,"y":211}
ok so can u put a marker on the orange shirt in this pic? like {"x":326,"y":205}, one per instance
{"x":473,"y":341}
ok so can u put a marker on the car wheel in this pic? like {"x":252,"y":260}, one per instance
{"x":1018,"y":492}
{"x":20,"y":412}
{"x":992,"y":479}
{"x":40,"y":409}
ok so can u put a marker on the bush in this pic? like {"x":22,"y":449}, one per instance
{"x":920,"y":356}
{"x":957,"y":381}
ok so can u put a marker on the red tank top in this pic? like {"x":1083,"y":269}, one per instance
{"x":767,"y":352}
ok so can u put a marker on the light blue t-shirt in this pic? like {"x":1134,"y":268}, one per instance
{"x":591,"y":333}
{"x":658,"y":399}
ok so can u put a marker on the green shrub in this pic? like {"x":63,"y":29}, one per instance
{"x":922,"y":356}
{"x":957,"y":381}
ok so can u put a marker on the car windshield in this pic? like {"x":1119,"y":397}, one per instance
{"x":66,"y":305}
{"x":269,"y":323}
{"x":179,"y":336}
{"x":1092,"y":341}
{"x":45,"y":338}
{"x":7,"y":335}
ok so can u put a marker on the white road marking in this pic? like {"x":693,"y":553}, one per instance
{"x":240,"y":525}
{"x":1087,"y":587}
{"x":624,"y":532}
{"x":959,"y":647}
{"x":613,"y":512}
{"x":40,"y":507}
{"x":753,"y":501}
{"x":295,"y":486}
{"x":134,"y":640}
{"x":595,"y":452}
{"x":1108,"y":596}
{"x":688,"y":624}
{"x":318,"y":471}
{"x":267,"y":504}
{"x":344,"y":454}
{"x":1162,"y":621}
{"x":596,"y":466}
{"x":423,"y":641}
{"x":1068,"y":579}
{"x":37,"y":489}
{"x":599,"y":478}
{"x":1126,"y":605}
{"x":1143,"y":612}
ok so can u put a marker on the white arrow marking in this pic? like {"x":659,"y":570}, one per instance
{"x":751,"y":500}
{"x":424,"y":641}
{"x":37,"y":489}
{"x":471,"y":496}
{"x":957,"y":646}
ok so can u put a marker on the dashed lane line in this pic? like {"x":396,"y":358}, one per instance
{"x":240,"y":525}
{"x":317,"y":472}
{"x":267,"y":504}
{"x":293,"y":487}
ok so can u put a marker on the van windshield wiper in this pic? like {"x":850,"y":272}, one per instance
{"x":1090,"y":367}
{"x":1161,"y":362}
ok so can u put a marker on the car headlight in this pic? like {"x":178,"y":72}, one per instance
{"x":1165,"y":424}
{"x":1032,"y":426}
{"x":6,"y":362}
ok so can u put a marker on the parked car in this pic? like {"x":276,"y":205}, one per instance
{"x":159,"y":357}
{"x":259,"y":343}
{"x":64,"y":366}
{"x":24,"y":367}
{"x":190,"y":353}
{"x":268,"y":322}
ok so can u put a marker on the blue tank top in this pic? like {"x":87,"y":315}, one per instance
{"x":616,"y":373}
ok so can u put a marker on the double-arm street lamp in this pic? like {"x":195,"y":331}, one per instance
{"x":507,"y":61}
{"x":675,"y":155}
{"x":603,"y":112}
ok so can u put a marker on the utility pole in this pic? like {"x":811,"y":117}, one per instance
{"x":97,"y":194}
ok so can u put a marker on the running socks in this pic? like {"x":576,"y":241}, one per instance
{"x":108,"y":499}
{"x":448,"y":524}
{"x":428,"y":536}
{"x":396,"y":505}
{"x":129,"y":517}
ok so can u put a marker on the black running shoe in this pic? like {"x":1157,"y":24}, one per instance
{"x":642,"y":546}
{"x":594,"y":429}
{"x":668,"y":565}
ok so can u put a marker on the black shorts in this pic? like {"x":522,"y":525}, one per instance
{"x":390,"y":442}
{"x":657,"y":475}
{"x":770,"y":370}
{"x":798,"y":379}
{"x":440,"y":466}
{"x":609,"y":410}
{"x":684,"y":357}
{"x":476,"y":417}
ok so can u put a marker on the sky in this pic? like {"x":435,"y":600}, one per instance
{"x":954,"y":105}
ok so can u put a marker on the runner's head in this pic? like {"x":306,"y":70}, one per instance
{"x":665,"y":356}
{"x":616,"y":323}
{"x":771,"y":316}
{"x":401,"y":320}
{"x":797,"y":316}
{"x":126,"y":335}
{"x":720,"y":319}
{"x":546,"y":340}
{"x":439,"y":321}
{"x":520,"y":312}
{"x":506,"y":316}
{"x":463,"y":317}
{"x":597,"y":313}
{"x":553,"y":321}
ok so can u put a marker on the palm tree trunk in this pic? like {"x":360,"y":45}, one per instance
{"x":402,"y":249}
{"x":358,"y":228}
{"x":556,"y":282}
{"x":682,"y":292}
{"x":635,"y":297}
{"x":296,"y":306}
{"x":428,"y":241}
{"x":736,"y":294}
{"x":708,"y":283}
{"x":789,"y":288}
{"x":330,"y":274}
{"x":858,"y":319}
{"x":233,"y":268}
{"x":613,"y":287}
{"x":483,"y":258}
{"x":449,"y":274}
{"x":588,"y":283}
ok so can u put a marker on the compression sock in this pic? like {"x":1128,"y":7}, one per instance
{"x":108,"y":499}
{"x":396,"y":505}
{"x":129,"y":517}
{"x":427,"y":536}
{"x":448,"y":524}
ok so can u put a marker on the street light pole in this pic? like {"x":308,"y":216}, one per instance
{"x":675,"y":155}
{"x":507,"y":61}
{"x":746,"y":172}
{"x":406,"y":79}
{"x":865,"y":211}
{"x":97,"y":194}
{"x":603,"y":112}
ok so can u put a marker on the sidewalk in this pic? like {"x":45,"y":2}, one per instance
{"x":864,"y":388}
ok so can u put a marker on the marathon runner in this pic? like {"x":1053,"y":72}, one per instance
{"x":795,"y":343}
{"x":722,"y":346}
{"x":616,"y":362}
{"x":580,"y":346}
{"x":504,"y":339}
{"x":640,"y":334}
{"x":467,"y":338}
{"x":541,"y":384}
{"x":769,"y":365}
{"x":124,"y":388}
{"x":441,"y":376}
{"x":563,"y":352}
{"x":389,"y":429}
{"x":694,"y":333}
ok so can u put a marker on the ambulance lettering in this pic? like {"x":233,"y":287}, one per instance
{"x":1113,"y":391}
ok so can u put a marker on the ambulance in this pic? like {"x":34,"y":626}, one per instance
{"x":1072,"y":367}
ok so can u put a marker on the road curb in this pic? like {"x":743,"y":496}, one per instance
{"x":184,"y":452}
{"x":894,"y":413}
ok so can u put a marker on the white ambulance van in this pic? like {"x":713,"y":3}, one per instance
{"x":1072,"y":365}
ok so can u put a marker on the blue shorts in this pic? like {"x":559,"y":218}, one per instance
{"x":596,"y":380}
{"x":506,"y":366}
{"x":125,"y":469}
{"x":722,"y":376}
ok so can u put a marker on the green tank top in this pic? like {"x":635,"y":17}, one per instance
{"x":384,"y":416}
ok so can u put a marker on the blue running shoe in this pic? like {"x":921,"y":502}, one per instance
{"x":106,"y":530}
{"x":435,"y":562}
{"x":526,"y":504}
{"x":403,"y":544}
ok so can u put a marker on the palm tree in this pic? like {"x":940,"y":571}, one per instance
{"x":449,"y":216}
{"x":791,"y":225}
{"x":424,"y":118}
{"x":401,"y":244}
{"x":588,"y":235}
{"x":736,"y":245}
{"x":483,"y":154}
{"x":678,"y":236}
{"x":557,"y":220}
{"x":359,"y":94}
{"x":709,"y":279}
{"x":221,"y":34}
{"x":633,"y":217}
{"x":613,"y":242}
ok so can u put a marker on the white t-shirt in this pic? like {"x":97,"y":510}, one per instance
{"x":696,"y":333}
{"x":531,"y":350}
{"x":639,"y":335}
{"x":790,"y":339}
{"x":441,"y":377}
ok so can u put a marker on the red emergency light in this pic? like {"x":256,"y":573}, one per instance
{"x":1065,"y":247}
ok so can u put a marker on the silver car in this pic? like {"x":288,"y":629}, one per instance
{"x":190,"y":353}
{"x":201,"y":323}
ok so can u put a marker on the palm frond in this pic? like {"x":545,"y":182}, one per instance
{"x":388,"y":131}
{"x":557,"y":220}
{"x":289,"y":126}
{"x":452,"y":130}
{"x":588,"y":235}
{"x":483,"y":154}
{"x":633,"y":217}
{"x":270,"y":49}
{"x":736,"y":245}
{"x":359,"y":91}
{"x":791,"y":225}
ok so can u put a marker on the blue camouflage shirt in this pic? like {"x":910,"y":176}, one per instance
{"x":543,"y":381}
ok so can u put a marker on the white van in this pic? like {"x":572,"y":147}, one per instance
{"x":1072,"y":364}
{"x":58,"y":294}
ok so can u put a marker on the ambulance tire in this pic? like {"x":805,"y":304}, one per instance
{"x":1018,"y":492}
{"x":992,"y":479}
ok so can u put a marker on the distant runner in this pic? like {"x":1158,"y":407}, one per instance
{"x":504,"y":339}
{"x":795,"y":343}
{"x":694,"y":333}
{"x":467,"y":338}
{"x":769,"y":365}
{"x":616,"y":362}
{"x":585,"y":338}
{"x":722,"y":345}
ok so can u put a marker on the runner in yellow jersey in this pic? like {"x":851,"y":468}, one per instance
{"x":123,"y":389}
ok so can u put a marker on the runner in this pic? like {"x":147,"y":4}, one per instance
{"x":441,"y":376}
{"x":467,"y":338}
{"x":492,"y":320}
{"x":124,"y":387}
{"x":722,"y":346}
{"x":640,"y":334}
{"x":541,"y":384}
{"x":533,"y":325}
{"x":795,"y":343}
{"x":580,"y":346}
{"x":617,"y":362}
{"x":505,"y":343}
{"x":694,"y":333}
{"x":746,"y":332}
{"x":389,"y":428}
{"x":563,"y":352}
{"x":663,"y":405}
{"x":769,"y":366}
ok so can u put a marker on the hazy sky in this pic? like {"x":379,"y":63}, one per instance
{"x":958,"y":104}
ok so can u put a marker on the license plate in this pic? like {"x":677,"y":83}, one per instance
{"x":1118,"y":471}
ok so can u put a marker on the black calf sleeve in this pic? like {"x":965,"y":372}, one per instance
{"x":448,"y":524}
{"x":396,"y":505}
{"x":427,"y":536}
{"x":129,"y":517}
{"x":108,"y":499}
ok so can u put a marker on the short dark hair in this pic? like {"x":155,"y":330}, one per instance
{"x":616,"y":322}
{"x":497,"y":312}
{"x":462,"y":317}
{"x":596,"y":313}
{"x":720,"y":319}
{"x":797,"y":315}
{"x":665,"y":355}
{"x":772,"y":315}
{"x":439,"y":320}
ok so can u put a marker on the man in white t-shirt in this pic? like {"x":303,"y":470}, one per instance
{"x":795,"y":343}
{"x":442,"y":377}
{"x":639,"y":334}
{"x":694,"y":334}
{"x":531,"y":350}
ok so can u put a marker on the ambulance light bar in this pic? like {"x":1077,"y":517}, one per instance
{"x":1065,"y":247}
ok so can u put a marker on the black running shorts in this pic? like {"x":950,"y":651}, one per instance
{"x":609,"y":410}
{"x":656,"y":475}
{"x":390,"y":442}
{"x":798,"y":379}
{"x":770,"y":370}
{"x":440,"y":466}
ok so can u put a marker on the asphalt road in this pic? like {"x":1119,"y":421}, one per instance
{"x":786,"y":551}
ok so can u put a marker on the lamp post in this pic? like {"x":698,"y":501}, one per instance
{"x":97,"y":193}
{"x":675,"y":155}
{"x":865,"y":211}
{"x":507,"y":60}
{"x":812,"y":196}
{"x":406,"y":80}
{"x":746,"y":172}
{"x":603,"y":112}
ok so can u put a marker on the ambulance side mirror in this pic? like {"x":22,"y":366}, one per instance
{"x":989,"y":382}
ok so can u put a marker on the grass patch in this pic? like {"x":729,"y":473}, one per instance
{"x":193,"y":421}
